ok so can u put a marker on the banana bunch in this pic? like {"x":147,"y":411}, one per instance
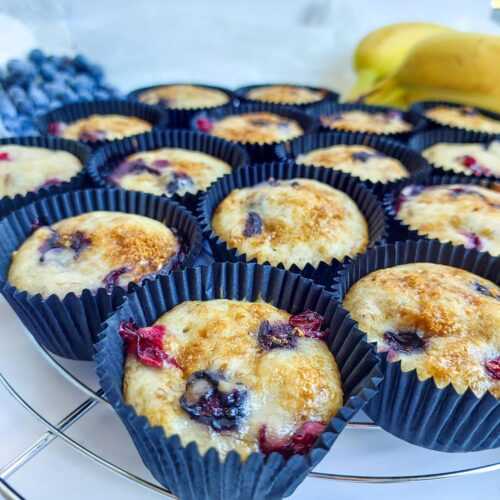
{"x":403,"y":63}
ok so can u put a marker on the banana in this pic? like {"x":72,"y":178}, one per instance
{"x":459,"y":67}
{"x":381,"y":52}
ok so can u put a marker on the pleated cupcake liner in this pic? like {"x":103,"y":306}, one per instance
{"x":181,"y":118}
{"x":415,"y":164}
{"x":421,"y":107}
{"x":420,"y":142}
{"x":324,"y":273}
{"x":183,"y":469}
{"x":418,"y":411}
{"x":329,"y":95}
{"x":68,"y":326}
{"x":329,"y":108}
{"x":398,"y":230}
{"x":77,"y":110}
{"x":105,"y":159}
{"x":259,"y":152}
{"x":82,"y":152}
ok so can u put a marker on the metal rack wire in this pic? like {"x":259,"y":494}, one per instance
{"x":59,"y":429}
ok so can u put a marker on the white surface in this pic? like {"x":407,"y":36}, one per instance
{"x":229,"y":43}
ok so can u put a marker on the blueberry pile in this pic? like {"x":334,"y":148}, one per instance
{"x":29,"y":88}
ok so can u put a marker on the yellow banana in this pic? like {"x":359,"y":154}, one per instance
{"x":460,"y":67}
{"x":381,"y":52}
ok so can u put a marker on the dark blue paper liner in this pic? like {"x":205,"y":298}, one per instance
{"x":425,"y":140}
{"x":181,"y":118}
{"x":183,"y":470}
{"x":398,"y":230}
{"x":260,"y":152}
{"x":368,"y":204}
{"x":422,"y":106}
{"x":330,"y":95}
{"x":105,"y":159}
{"x":418,"y":411}
{"x":329,"y":108}
{"x":414,"y":163}
{"x":75,"y":111}
{"x":82,"y":152}
{"x":68,"y":327}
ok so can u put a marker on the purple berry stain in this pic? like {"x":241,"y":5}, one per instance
{"x":113,"y":277}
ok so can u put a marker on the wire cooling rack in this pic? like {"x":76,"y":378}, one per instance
{"x":94,"y":398}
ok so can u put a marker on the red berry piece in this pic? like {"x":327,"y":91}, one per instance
{"x":4,"y":156}
{"x":51,"y":182}
{"x":204,"y":125}
{"x":493,"y":368}
{"x":309,"y":322}
{"x":92,"y":135}
{"x":405,"y":342}
{"x":472,"y":240}
{"x":161,"y":163}
{"x":55,"y":128}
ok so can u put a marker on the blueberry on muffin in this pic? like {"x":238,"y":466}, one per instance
{"x":292,"y":222}
{"x":383,"y":122}
{"x":91,"y":251}
{"x":440,"y":320}
{"x":233,"y":375}
{"x":463,"y":117}
{"x":285,"y":94}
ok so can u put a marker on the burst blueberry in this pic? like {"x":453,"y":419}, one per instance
{"x":405,"y":342}
{"x":278,"y":335}
{"x":253,"y":225}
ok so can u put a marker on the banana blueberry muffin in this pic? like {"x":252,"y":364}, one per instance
{"x":184,"y":97}
{"x":442,"y":321}
{"x":254,"y":128}
{"x":93,"y":250}
{"x":388,"y":122}
{"x":462,"y":214}
{"x":234,"y":376}
{"x":467,"y":158}
{"x":168,"y":171}
{"x":285,"y":94}
{"x":362,"y":161}
{"x":26,"y":168}
{"x":292,"y":222}
{"x":463,"y":117}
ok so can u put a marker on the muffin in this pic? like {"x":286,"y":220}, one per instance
{"x":184,"y":96}
{"x":463,"y":117}
{"x":252,"y":128}
{"x":362,"y":161}
{"x":466,"y":158}
{"x":101,"y":127}
{"x":285,"y":94}
{"x":291,"y":222}
{"x":27,"y":168}
{"x":233,"y":375}
{"x":91,"y":251}
{"x":442,"y":321}
{"x":357,"y":120}
{"x":168,"y":171}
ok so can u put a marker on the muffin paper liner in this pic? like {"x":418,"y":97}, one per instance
{"x":398,"y":230}
{"x":182,"y":469}
{"x":414,"y":163}
{"x":260,"y":152}
{"x":328,"y":108}
{"x":418,"y":411}
{"x":425,"y":140}
{"x":367,"y":203}
{"x":421,"y":107}
{"x":82,"y":152}
{"x":68,"y":327}
{"x":330,"y":95}
{"x":77,"y":110}
{"x":181,"y":118}
{"x":105,"y":159}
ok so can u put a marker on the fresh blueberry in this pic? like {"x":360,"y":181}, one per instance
{"x":37,"y":56}
{"x":48,"y":71}
{"x":101,"y":95}
{"x":7,"y":108}
{"x":83,"y":81}
{"x":95,"y":71}
{"x":81,"y":63}
{"x":38,"y":96}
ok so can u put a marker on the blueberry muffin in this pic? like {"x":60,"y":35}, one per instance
{"x":91,"y":251}
{"x":184,"y":97}
{"x":463,"y":117}
{"x":168,"y":171}
{"x":442,"y":321}
{"x":292,"y":222}
{"x":252,"y":128}
{"x":463,"y":214}
{"x":389,"y":122}
{"x":25,"y":168}
{"x":285,"y":94}
{"x":466,"y":158}
{"x":362,"y":161}
{"x":101,"y":128}
{"x":234,"y":376}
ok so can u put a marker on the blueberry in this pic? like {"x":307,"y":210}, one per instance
{"x":7,"y":108}
{"x":101,"y":95}
{"x":483,"y":290}
{"x":48,"y":71}
{"x":85,"y":95}
{"x":25,"y":126}
{"x":405,"y":342}
{"x":113,"y":277}
{"x":95,"y":71}
{"x":83,"y":81}
{"x":276,"y":335}
{"x":253,"y":225}
{"x":16,"y":93}
{"x":81,"y":63}
{"x":179,"y":181}
{"x":38,"y":96}
{"x":37,"y":56}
